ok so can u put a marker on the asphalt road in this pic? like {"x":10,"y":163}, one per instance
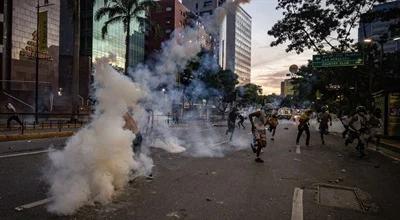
{"x":230,"y":187}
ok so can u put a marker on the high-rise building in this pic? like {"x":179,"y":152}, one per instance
{"x":19,"y":43}
{"x":93,"y":46}
{"x":234,"y":40}
{"x":167,"y":17}
{"x":378,"y":28}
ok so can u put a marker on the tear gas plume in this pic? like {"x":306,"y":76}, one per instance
{"x":98,"y":160}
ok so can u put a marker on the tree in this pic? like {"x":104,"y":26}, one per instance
{"x":249,"y":93}
{"x":316,"y":24}
{"x":124,"y":11}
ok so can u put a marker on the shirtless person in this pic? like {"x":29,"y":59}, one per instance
{"x":131,"y":124}
{"x":258,"y":122}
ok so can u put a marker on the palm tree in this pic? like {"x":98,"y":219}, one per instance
{"x":123,"y":11}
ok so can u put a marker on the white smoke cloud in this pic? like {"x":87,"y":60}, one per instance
{"x":98,"y":160}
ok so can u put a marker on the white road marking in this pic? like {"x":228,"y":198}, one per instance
{"x":298,"y":149}
{"x":33,"y":204}
{"x":25,"y":153}
{"x":297,"y":207}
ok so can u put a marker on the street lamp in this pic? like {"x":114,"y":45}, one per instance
{"x":38,"y":6}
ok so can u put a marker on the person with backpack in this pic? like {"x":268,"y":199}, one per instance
{"x":358,"y":129}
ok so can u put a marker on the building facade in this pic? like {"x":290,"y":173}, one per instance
{"x":287,"y":88}
{"x":376,"y":29}
{"x":167,"y":17}
{"x":93,"y":46}
{"x":234,"y":40}
{"x":19,"y":43}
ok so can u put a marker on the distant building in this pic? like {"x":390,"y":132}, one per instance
{"x":378,"y":28}
{"x":287,"y":88}
{"x":168,"y":16}
{"x":234,"y":43}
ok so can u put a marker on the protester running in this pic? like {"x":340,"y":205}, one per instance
{"x":273,"y":123}
{"x":10,"y":107}
{"x":304,"y":126}
{"x":357,"y":129}
{"x":323,"y":118}
{"x":258,"y":122}
{"x":241,"y":121}
{"x":233,"y":114}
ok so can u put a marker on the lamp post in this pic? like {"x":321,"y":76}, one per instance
{"x":38,"y":6}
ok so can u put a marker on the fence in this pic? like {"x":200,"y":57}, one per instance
{"x":47,"y":121}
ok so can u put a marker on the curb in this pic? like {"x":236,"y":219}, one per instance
{"x":389,"y":147}
{"x":19,"y":137}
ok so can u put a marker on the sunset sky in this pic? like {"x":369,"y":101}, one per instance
{"x":269,"y":64}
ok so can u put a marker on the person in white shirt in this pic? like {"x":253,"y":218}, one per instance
{"x":10,"y":107}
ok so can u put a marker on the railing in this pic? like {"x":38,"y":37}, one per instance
{"x":47,"y":121}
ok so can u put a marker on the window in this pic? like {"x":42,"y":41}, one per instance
{"x":168,"y":31}
{"x":168,"y":9}
{"x":168,"y":22}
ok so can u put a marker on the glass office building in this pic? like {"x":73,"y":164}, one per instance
{"x":114,"y":41}
{"x":23,"y":50}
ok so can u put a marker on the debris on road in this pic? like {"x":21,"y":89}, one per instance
{"x":173,"y":215}
{"x":343,"y":170}
{"x":377,"y":166}
{"x":33,"y":204}
{"x":208,"y":199}
{"x":297,"y":159}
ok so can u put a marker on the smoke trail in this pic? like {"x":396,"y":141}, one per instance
{"x":98,"y":160}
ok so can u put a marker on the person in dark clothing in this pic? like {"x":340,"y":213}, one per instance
{"x":14,"y":115}
{"x":241,"y":121}
{"x":273,"y":123}
{"x":233,"y":114}
{"x":358,"y":130}
{"x":304,"y":126}
{"x":323,"y":118}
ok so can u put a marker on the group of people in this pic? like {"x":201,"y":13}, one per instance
{"x":324,"y":119}
{"x":362,"y":126}
{"x":259,"y":120}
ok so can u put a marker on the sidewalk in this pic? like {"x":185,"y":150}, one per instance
{"x":390,"y":144}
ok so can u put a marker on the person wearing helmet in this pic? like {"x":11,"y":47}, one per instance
{"x":304,"y":126}
{"x":323,"y":118}
{"x":233,"y":114}
{"x":358,"y":128}
{"x":258,"y":122}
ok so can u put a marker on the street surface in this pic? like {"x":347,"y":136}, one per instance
{"x":229,"y":187}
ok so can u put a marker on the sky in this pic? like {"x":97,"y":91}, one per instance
{"x":269,"y":64}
